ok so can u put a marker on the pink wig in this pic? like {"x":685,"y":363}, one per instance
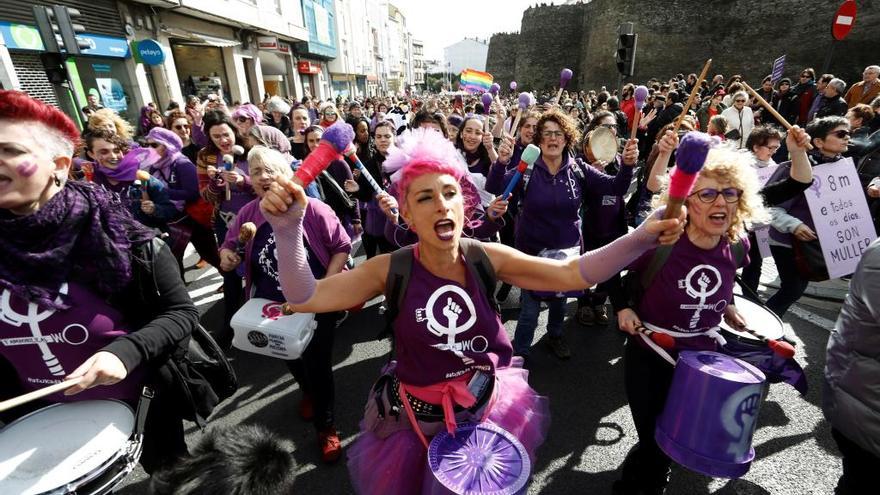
{"x":426,"y":151}
{"x":248,"y":110}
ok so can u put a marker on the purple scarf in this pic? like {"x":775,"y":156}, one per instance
{"x":126,"y":170}
{"x":80,"y":233}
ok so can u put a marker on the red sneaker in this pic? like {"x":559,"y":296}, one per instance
{"x":306,"y":408}
{"x":331,"y":448}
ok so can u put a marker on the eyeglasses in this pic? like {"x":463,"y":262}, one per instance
{"x":241,"y":120}
{"x":181,"y":127}
{"x":153,"y":145}
{"x":708,"y":195}
{"x":739,"y":101}
{"x":841,"y":134}
{"x":552,"y":134}
{"x":772,"y":148}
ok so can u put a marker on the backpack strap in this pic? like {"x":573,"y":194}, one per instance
{"x":738,"y":250}
{"x":399,"y":270}
{"x":478,"y":261}
{"x":661,"y":255}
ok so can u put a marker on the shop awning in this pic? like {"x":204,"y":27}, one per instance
{"x":192,"y":38}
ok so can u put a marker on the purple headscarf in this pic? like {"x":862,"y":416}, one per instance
{"x":248,"y":110}
{"x":172,"y":144}
{"x":271,"y":137}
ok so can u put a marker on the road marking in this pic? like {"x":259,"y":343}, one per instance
{"x":823,"y":323}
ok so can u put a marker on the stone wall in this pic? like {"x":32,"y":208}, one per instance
{"x":741,"y":36}
{"x":501,"y":59}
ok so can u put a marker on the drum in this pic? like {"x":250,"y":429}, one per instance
{"x":711,"y":413}
{"x":603,"y":144}
{"x":758,"y":318}
{"x":261,"y":327}
{"x":86,"y":447}
{"x":480,"y":459}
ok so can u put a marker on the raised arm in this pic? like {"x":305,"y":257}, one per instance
{"x":667,"y":145}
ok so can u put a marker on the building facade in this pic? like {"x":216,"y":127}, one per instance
{"x":466,"y":54}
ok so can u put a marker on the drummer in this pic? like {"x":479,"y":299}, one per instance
{"x":71,"y":265}
{"x":443,"y":312}
{"x":688,"y":297}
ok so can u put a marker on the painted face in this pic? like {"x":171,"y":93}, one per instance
{"x":765,"y":152}
{"x":25,"y":167}
{"x":472,"y":135}
{"x":527,"y":131}
{"x":383,"y":139}
{"x":105,"y":153}
{"x":262,"y":176}
{"x":836,"y":142}
{"x":434,"y":208}
{"x":711,"y":217}
{"x":313,"y":139}
{"x":223,"y":138}
{"x":300,"y":119}
{"x":182,"y":128}
{"x":552,"y":140}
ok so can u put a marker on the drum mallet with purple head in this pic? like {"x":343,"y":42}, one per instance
{"x":640,"y":95}
{"x":512,"y":85}
{"x":524,"y":102}
{"x":689,"y":160}
{"x":487,"y":100}
{"x":564,"y":77}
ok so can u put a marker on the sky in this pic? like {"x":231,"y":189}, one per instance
{"x":440,"y":23}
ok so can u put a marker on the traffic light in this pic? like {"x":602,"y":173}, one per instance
{"x":58,"y":29}
{"x":626,"y":53}
{"x":56,"y":71}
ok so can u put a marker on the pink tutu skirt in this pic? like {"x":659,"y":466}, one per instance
{"x":397,"y":464}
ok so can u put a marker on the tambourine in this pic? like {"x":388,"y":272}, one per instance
{"x":602,"y":144}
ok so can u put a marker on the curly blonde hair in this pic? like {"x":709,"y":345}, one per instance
{"x":735,"y":168}
{"x":100,"y":118}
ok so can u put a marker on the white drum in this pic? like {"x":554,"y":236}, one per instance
{"x":85,"y":447}
{"x":261,"y":327}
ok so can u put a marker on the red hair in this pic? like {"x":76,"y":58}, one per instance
{"x":19,"y":107}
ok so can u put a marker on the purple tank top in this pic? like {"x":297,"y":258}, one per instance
{"x":444,"y":330}
{"x":44,"y":345}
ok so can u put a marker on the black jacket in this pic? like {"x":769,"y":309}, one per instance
{"x":155,"y":302}
{"x":836,"y":106}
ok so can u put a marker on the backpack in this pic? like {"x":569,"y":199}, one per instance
{"x":400,"y":269}
{"x":636,"y":284}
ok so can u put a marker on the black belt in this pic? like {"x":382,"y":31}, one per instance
{"x":426,"y":411}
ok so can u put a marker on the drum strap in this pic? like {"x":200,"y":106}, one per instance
{"x":143,"y":407}
{"x":712,"y":332}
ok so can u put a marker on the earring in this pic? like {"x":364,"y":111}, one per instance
{"x":56,"y":179}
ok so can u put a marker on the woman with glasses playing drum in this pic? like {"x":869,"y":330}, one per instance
{"x":446,"y":334}
{"x":687,"y":299}
{"x":85,"y":291}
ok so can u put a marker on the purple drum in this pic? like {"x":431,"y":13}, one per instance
{"x":711,"y":413}
{"x":480,"y":459}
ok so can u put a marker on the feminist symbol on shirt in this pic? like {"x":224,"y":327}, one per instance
{"x":452,"y":312}
{"x":704,"y":275}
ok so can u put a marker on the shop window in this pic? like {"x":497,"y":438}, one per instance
{"x":109,"y":77}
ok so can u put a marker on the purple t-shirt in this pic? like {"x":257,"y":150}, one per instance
{"x":264,"y":265}
{"x":444,"y":330}
{"x":692,"y":289}
{"x":44,"y":345}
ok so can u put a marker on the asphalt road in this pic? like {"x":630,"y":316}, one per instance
{"x":592,"y":429}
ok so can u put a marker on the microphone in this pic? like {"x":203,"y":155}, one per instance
{"x":350,"y":153}
{"x":228,"y":160}
{"x":529,"y":156}
{"x":335,"y":140}
{"x":689,"y":160}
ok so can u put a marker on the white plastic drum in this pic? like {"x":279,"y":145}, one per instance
{"x":758,"y":318}
{"x":63,"y":444}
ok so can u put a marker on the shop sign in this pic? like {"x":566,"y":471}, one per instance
{"x":26,"y":37}
{"x":308,"y":67}
{"x":150,"y":52}
{"x":267,"y":42}
{"x":285,"y":49}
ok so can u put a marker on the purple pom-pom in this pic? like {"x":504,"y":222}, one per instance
{"x":339,"y":135}
{"x":564,"y":77}
{"x":487,"y":102}
{"x":692,"y":151}
{"x":640,"y":95}
{"x":495,"y":88}
{"x":513,"y":85}
{"x":525,"y":100}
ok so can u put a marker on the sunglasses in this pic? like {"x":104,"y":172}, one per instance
{"x":181,"y":127}
{"x":739,"y":101}
{"x":241,"y":120}
{"x":841,"y":134}
{"x":153,"y":145}
{"x":709,"y":195}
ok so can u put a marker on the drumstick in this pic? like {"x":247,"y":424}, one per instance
{"x":639,"y":96}
{"x":564,"y":77}
{"x":38,"y":394}
{"x":524,"y":101}
{"x":689,"y":160}
{"x":661,"y":339}
{"x":770,"y":109}
{"x":781,"y":348}
{"x":693,"y":95}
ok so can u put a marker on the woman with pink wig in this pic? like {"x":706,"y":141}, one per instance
{"x":442,"y":312}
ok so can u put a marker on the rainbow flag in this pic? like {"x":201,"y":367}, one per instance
{"x":475,"y":81}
